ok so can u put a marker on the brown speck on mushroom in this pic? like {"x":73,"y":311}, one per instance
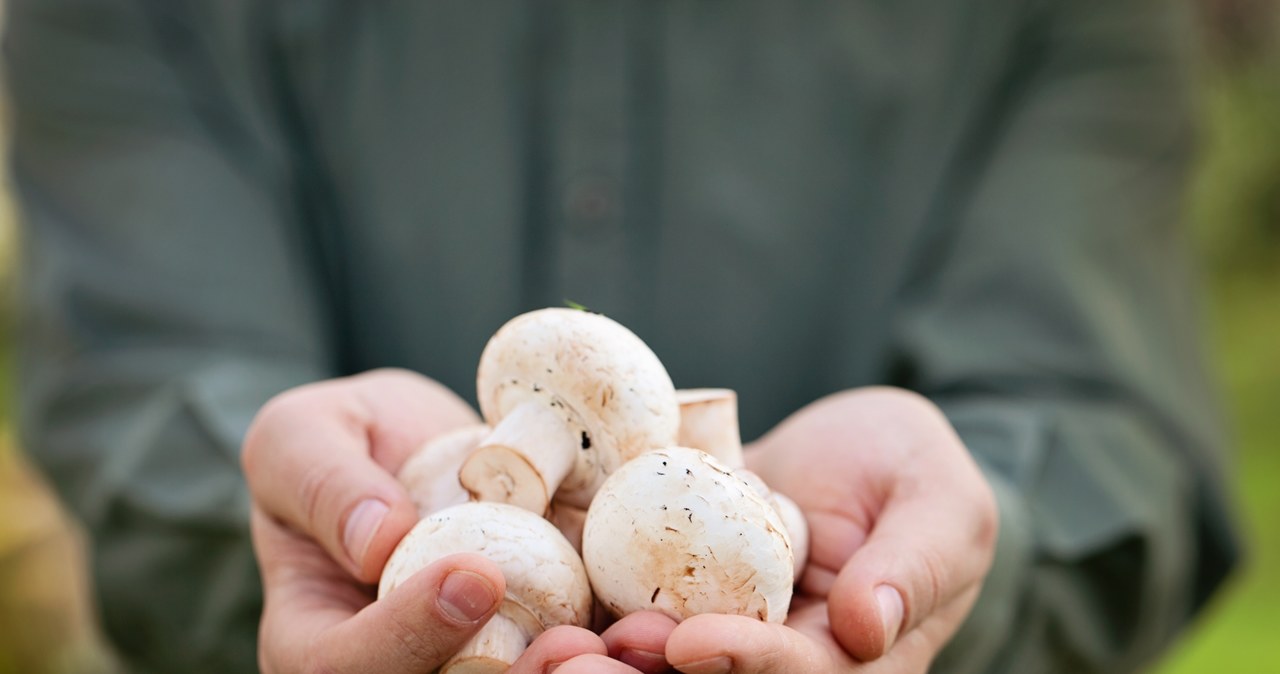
{"x":654,"y":598}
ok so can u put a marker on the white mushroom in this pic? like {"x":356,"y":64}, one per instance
{"x":571,"y":396}
{"x":676,"y":531}
{"x":430,"y":474}
{"x":546,"y":583}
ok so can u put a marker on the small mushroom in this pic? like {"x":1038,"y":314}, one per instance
{"x":571,"y":396}
{"x":430,"y":474}
{"x":546,"y":583}
{"x":674,"y":530}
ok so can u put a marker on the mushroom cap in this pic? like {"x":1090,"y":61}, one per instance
{"x":430,"y":474}
{"x":611,"y":387}
{"x":676,"y":531}
{"x":544,"y":574}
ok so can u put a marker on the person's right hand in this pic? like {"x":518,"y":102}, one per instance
{"x":327,"y":512}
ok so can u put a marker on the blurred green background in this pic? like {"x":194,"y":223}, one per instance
{"x":1234,"y":210}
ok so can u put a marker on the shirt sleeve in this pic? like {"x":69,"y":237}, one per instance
{"x":1055,"y":325}
{"x":164,"y":298}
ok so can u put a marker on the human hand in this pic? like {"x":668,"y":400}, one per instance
{"x":903,"y":530}
{"x":327,"y":512}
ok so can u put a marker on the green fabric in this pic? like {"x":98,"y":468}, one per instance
{"x":975,"y":200}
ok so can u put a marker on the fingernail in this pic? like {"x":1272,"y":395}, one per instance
{"x":466,"y":597}
{"x":718,"y":665}
{"x":890,"y":613}
{"x":362,"y":524}
{"x":645,"y":661}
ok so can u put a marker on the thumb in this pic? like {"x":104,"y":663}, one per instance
{"x":929,"y":546}
{"x":319,"y":458}
{"x":422,"y":623}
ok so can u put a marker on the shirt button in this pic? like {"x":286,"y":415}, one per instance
{"x":589,"y":204}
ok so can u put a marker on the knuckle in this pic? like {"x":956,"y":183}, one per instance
{"x":932,"y":591}
{"x":988,"y":524}
{"x":314,"y":490}
{"x":900,"y":402}
{"x":273,"y":414}
{"x":417,"y":644}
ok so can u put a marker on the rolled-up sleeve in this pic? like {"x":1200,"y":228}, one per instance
{"x":163,"y":300}
{"x":1056,"y":326}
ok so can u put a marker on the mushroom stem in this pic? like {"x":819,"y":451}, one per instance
{"x":525,"y":458}
{"x":492,"y":650}
{"x":709,"y":421}
{"x":430,"y":475}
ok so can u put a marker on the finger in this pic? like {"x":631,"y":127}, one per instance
{"x":556,"y":646}
{"x":916,"y":650}
{"x":834,"y":538}
{"x":640,"y":640}
{"x":299,"y":574}
{"x":593,"y":664}
{"x":420,"y":624}
{"x":716,"y":644}
{"x":932,"y":542}
{"x":320,"y":458}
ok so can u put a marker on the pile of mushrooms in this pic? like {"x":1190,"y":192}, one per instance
{"x":594,"y":476}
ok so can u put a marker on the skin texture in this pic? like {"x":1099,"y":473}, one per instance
{"x":312,"y":456}
{"x":897,"y":510}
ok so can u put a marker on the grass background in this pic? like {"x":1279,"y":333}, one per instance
{"x":1235,"y":214}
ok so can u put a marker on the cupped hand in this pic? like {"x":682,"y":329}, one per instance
{"x":327,"y":512}
{"x":903,"y":530}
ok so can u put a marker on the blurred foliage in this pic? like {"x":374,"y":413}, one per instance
{"x":1235,"y":213}
{"x":1235,"y":205}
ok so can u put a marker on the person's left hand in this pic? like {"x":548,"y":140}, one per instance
{"x":903,"y":527}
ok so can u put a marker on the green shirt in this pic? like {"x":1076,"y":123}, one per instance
{"x":975,"y":200}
